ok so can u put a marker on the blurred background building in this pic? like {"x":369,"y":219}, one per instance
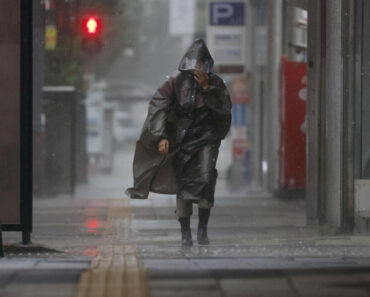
{"x":297,"y":73}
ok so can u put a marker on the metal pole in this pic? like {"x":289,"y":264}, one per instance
{"x":334,"y":114}
{"x":26,"y":188}
{"x":275,"y":40}
{"x":349,"y":78}
{"x":313,"y":111}
{"x":26,"y":237}
{"x":73,"y":106}
{"x":38,"y":18}
{"x":258,"y":62}
{"x":1,"y":243}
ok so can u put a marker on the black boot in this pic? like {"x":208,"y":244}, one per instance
{"x":202,"y":236}
{"x":186,"y":239}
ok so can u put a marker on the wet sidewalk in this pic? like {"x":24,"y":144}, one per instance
{"x":102,"y":244}
{"x":259,"y":247}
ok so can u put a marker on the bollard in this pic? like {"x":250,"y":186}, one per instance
{"x":1,"y":243}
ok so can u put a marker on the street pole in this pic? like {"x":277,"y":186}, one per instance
{"x":1,"y":243}
{"x":272,"y":114}
{"x":38,"y":19}
{"x":334,"y":114}
{"x":258,"y":64}
{"x":314,"y":209}
{"x":26,"y":115}
{"x":330,"y":109}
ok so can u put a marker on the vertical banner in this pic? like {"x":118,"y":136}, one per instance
{"x":292,"y":154}
{"x":226,"y":35}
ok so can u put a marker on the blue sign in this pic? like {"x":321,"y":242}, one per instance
{"x":226,"y":14}
{"x":239,"y":114}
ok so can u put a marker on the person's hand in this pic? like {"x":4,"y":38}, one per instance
{"x":202,"y":78}
{"x":163,"y":146}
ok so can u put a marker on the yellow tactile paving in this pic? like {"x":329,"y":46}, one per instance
{"x":117,"y":270}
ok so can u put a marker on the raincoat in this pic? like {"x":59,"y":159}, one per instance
{"x":194,"y":121}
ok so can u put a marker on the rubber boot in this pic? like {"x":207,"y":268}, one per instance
{"x":202,"y":236}
{"x":186,"y":239}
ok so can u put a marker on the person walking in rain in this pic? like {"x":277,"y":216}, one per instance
{"x":177,"y":151}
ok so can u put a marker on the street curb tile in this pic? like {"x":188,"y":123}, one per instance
{"x":117,"y":270}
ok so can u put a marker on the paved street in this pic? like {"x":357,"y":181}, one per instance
{"x":102,"y":244}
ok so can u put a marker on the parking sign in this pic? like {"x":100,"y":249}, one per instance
{"x":226,"y":14}
{"x":226,"y":34}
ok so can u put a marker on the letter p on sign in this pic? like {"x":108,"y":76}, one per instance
{"x":226,"y":13}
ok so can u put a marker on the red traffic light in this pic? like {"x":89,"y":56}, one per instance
{"x":91,"y":26}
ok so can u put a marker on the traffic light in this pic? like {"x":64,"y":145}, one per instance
{"x":91,"y":25}
{"x":91,"y":29}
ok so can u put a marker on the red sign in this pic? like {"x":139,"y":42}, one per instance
{"x":292,"y":154}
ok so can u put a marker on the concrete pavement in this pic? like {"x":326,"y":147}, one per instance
{"x":102,"y":244}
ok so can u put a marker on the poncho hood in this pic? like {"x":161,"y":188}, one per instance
{"x":197,"y":57}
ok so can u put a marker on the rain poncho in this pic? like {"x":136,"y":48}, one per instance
{"x":194,"y":121}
